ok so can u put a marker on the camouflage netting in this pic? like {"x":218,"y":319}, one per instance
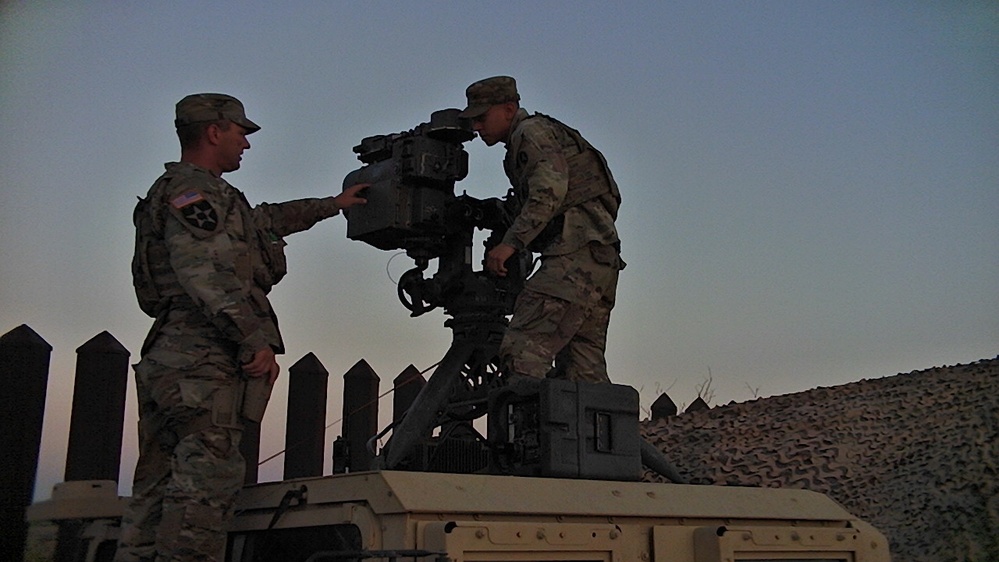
{"x":916,"y":455}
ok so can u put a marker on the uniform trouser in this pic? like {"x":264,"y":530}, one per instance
{"x":561,"y":317}
{"x":189,"y":472}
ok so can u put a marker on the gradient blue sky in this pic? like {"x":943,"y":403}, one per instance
{"x":811,"y":189}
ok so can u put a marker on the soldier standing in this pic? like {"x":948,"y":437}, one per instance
{"x":203,"y":266}
{"x":568,"y":204}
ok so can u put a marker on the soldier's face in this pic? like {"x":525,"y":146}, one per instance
{"x":493,"y":126}
{"x":231,"y":144}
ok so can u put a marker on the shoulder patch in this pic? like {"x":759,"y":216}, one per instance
{"x":187,"y":198}
{"x":196,"y":210}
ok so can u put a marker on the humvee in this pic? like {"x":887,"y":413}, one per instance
{"x":437,"y":517}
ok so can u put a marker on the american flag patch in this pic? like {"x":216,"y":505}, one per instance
{"x":186,"y":199}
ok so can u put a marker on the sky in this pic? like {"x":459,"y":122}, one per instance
{"x":810,"y":189}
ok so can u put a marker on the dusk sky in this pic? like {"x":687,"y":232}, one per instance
{"x":811,"y":189}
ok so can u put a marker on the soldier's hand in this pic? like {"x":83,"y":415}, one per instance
{"x":264,"y":363}
{"x":496,"y":259}
{"x":350,"y":196}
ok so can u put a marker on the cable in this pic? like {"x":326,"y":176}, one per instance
{"x":358,"y":409}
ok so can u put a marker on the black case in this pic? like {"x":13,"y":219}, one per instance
{"x":565,"y":429}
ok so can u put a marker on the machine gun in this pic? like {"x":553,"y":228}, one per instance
{"x":412,"y":206}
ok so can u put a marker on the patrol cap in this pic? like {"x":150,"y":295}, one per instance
{"x":489,"y":92}
{"x":199,"y":108}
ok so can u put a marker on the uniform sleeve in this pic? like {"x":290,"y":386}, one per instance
{"x":542,"y":167}
{"x":205,"y":264}
{"x":293,"y":216}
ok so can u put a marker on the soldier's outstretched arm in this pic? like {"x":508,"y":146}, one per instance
{"x":302,"y":214}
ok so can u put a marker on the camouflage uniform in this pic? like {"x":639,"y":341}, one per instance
{"x":568,"y":204}
{"x":204,"y":263}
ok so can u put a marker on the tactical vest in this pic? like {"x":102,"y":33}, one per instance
{"x":150,"y":300}
{"x":259,"y":267}
{"x":589,"y":178}
{"x":264,"y":262}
